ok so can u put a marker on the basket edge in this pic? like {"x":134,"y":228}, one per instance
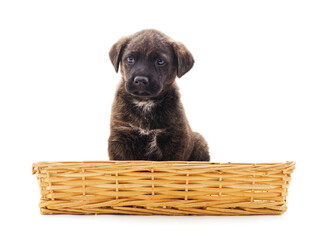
{"x":289,"y":165}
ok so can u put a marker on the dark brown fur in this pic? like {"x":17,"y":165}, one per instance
{"x":148,"y":122}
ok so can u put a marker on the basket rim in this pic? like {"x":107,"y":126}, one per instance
{"x":90,"y":163}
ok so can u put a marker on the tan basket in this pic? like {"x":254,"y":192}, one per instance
{"x":167,"y":188}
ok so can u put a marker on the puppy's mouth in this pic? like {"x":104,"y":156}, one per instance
{"x":149,"y":91}
{"x":141,"y":93}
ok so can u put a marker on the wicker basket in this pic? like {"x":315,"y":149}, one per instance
{"x":167,"y":188}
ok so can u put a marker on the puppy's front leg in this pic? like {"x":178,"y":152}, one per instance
{"x":118,"y":150}
{"x":172,"y":145}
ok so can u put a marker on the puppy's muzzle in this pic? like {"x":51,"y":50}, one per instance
{"x":141,"y":81}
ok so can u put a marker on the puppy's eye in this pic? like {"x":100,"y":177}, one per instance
{"x":160,"y":62}
{"x":130,"y":60}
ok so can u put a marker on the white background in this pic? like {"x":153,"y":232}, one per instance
{"x":259,"y":92}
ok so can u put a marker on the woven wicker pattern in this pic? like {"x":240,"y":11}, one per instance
{"x":168,"y":188}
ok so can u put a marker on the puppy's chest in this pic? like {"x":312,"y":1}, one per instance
{"x":145,"y":142}
{"x":145,"y":130}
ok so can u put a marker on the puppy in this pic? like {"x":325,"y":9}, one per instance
{"x":148,"y":120}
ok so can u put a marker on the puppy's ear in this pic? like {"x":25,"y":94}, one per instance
{"x":185,"y":60}
{"x":117,"y":50}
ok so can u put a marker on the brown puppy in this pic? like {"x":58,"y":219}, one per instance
{"x":147,"y":120}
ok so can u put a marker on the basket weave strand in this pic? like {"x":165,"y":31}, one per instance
{"x":166,"y":188}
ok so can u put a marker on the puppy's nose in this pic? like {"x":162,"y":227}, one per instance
{"x":140,"y":80}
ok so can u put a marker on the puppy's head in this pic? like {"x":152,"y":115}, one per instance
{"x":149,"y":62}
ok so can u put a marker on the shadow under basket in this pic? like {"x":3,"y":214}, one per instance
{"x":163,"y":188}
